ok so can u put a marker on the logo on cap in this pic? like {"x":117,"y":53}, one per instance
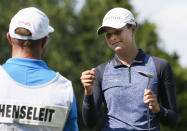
{"x":112,"y":17}
{"x":24,"y":23}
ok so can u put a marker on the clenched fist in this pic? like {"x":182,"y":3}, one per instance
{"x":87,"y":79}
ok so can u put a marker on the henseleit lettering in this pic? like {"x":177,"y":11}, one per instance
{"x":26,"y":112}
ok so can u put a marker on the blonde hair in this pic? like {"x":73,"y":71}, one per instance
{"x":25,"y":43}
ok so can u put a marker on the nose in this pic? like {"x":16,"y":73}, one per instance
{"x":113,"y":36}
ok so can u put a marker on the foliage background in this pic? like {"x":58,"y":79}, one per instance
{"x":75,"y":47}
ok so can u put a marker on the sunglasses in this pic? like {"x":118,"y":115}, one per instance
{"x":116,"y":32}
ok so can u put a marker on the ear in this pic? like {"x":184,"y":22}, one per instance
{"x":133,"y":29}
{"x":9,"y":38}
{"x":44,"y":41}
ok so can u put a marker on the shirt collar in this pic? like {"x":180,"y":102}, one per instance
{"x":139,"y":59}
{"x":36,"y":63}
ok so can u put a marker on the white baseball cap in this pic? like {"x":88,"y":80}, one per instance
{"x":116,"y":18}
{"x":32,"y":19}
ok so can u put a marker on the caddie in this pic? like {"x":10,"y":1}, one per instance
{"x":33,"y":97}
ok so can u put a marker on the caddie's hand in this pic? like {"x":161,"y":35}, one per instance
{"x":87,"y":79}
{"x":151,"y":100}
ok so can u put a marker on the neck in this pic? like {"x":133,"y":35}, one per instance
{"x":127,"y":56}
{"x":26,"y":54}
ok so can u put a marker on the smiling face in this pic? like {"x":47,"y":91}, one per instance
{"x":120,"y":39}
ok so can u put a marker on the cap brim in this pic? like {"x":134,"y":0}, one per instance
{"x":101,"y":29}
{"x":50,"y":29}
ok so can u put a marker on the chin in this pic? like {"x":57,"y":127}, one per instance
{"x":117,"y":49}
